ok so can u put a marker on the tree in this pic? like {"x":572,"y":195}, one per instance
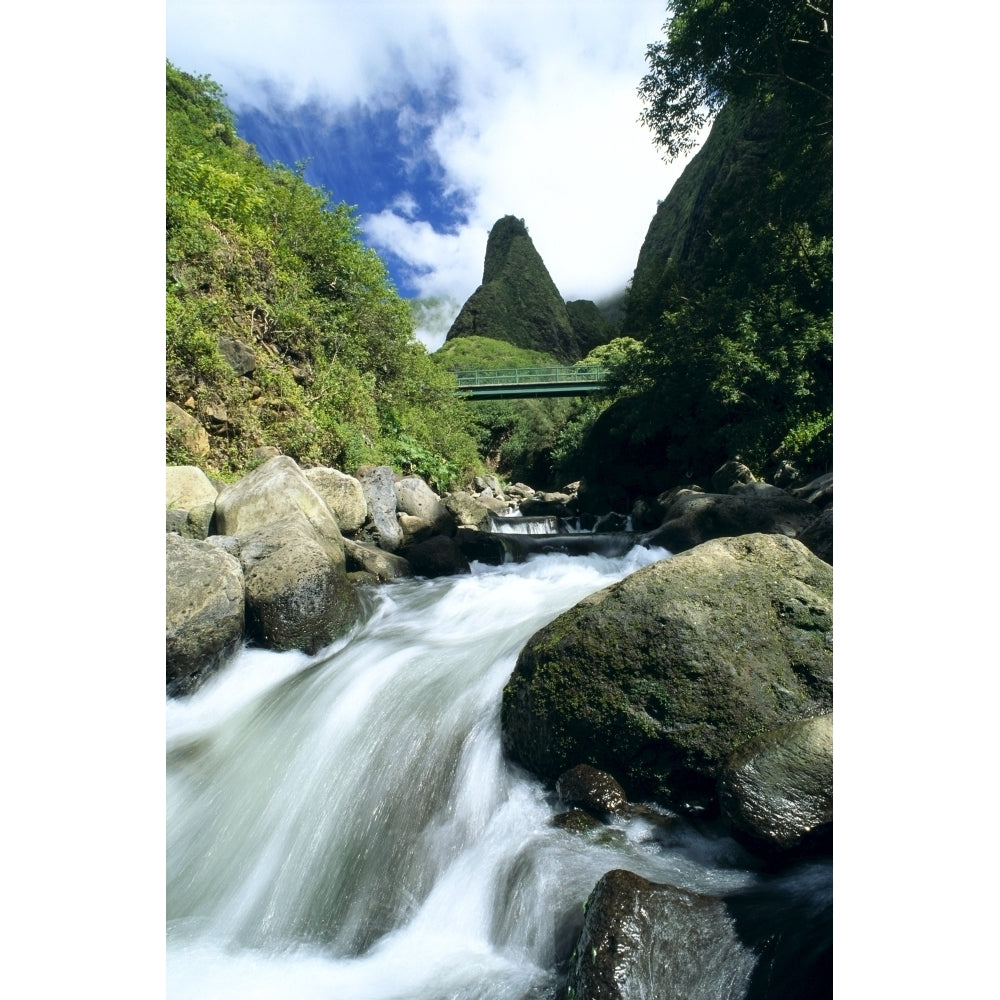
{"x":719,"y":50}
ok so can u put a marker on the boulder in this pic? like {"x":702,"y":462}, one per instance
{"x":818,"y":491}
{"x":239,"y":355}
{"x":481,"y":546}
{"x":378,"y":486}
{"x":818,"y":537}
{"x":468,"y":511}
{"x":777,"y":790}
{"x":732,"y":473}
{"x":381,"y":565}
{"x":659,"y":678}
{"x":693,"y":518}
{"x":297,"y":591}
{"x":275,"y":491}
{"x":437,"y":556}
{"x":416,"y":498}
{"x":415,"y":529}
{"x":342,"y":494}
{"x":205,"y":610}
{"x":490,"y":483}
{"x":585,"y":787}
{"x":560,"y":504}
{"x":190,"y":501}
{"x":646,"y":939}
{"x":185,"y":432}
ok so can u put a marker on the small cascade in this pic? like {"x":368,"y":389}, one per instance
{"x":608,"y":535}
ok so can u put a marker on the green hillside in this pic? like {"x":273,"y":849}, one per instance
{"x":283,"y":329}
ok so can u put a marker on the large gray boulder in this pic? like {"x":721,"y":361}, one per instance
{"x":777,"y":790}
{"x":342,"y":494}
{"x":643,"y":939}
{"x":205,"y":610}
{"x":659,"y":678}
{"x":297,"y":591}
{"x":379,"y":486}
{"x":270,"y":493}
{"x":190,"y":501}
{"x":692,"y":518}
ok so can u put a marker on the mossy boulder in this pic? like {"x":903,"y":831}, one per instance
{"x":660,"y":678}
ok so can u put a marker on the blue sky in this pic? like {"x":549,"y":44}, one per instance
{"x":437,"y":118}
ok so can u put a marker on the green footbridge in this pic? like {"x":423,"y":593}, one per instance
{"x":530,"y":383}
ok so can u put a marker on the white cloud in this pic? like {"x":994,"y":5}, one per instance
{"x":544,"y":126}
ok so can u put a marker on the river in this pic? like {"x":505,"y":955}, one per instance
{"x":345,"y":826}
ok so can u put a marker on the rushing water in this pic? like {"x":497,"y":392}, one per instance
{"x":345,"y":826}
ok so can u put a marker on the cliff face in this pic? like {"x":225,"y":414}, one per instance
{"x":518,"y":302}
{"x":739,"y":143}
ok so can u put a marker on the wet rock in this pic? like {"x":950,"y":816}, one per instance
{"x":438,"y":556}
{"x":777,"y":790}
{"x":645,"y":939}
{"x":596,"y":791}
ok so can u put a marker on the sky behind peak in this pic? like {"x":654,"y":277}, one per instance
{"x":438,"y":118}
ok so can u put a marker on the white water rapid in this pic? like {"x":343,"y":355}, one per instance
{"x":345,"y":827}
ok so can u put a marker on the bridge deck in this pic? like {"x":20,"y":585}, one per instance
{"x":529,"y":383}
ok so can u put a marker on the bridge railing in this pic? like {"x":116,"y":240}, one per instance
{"x":550,"y":375}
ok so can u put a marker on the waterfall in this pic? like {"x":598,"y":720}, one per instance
{"x":345,"y":826}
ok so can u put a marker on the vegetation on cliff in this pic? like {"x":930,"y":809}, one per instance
{"x":732,"y":296}
{"x":263,"y":266}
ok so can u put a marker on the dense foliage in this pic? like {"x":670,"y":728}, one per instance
{"x":732,"y":299}
{"x":257,"y":256}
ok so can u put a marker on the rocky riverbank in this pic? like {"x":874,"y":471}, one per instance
{"x":701,"y":684}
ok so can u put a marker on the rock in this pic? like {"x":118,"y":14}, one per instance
{"x":415,"y":529}
{"x":645,"y":939}
{"x":190,"y":501}
{"x":521,"y":490}
{"x":416,"y":498}
{"x":205,"y":611}
{"x":777,"y":789}
{"x":297,"y":591}
{"x":818,"y":491}
{"x":818,"y":536}
{"x":548,"y":503}
{"x":693,"y":518}
{"x":756,"y":489}
{"x":490,"y":483}
{"x":378,"y":563}
{"x":587,"y":788}
{"x":481,"y":546}
{"x":342,"y":494}
{"x":467,"y":511}
{"x":730,"y":474}
{"x":184,"y":432}
{"x":239,"y":355}
{"x":263,"y":453}
{"x":659,"y":678}
{"x":273,"y":492}
{"x":378,"y":486}
{"x":438,"y":556}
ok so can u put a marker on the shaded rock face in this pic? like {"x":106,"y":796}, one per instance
{"x":644,"y":939}
{"x":517,"y":302}
{"x":693,"y":518}
{"x":818,"y":536}
{"x":437,"y":556}
{"x":660,"y":678}
{"x":777,"y":790}
{"x":205,"y":610}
